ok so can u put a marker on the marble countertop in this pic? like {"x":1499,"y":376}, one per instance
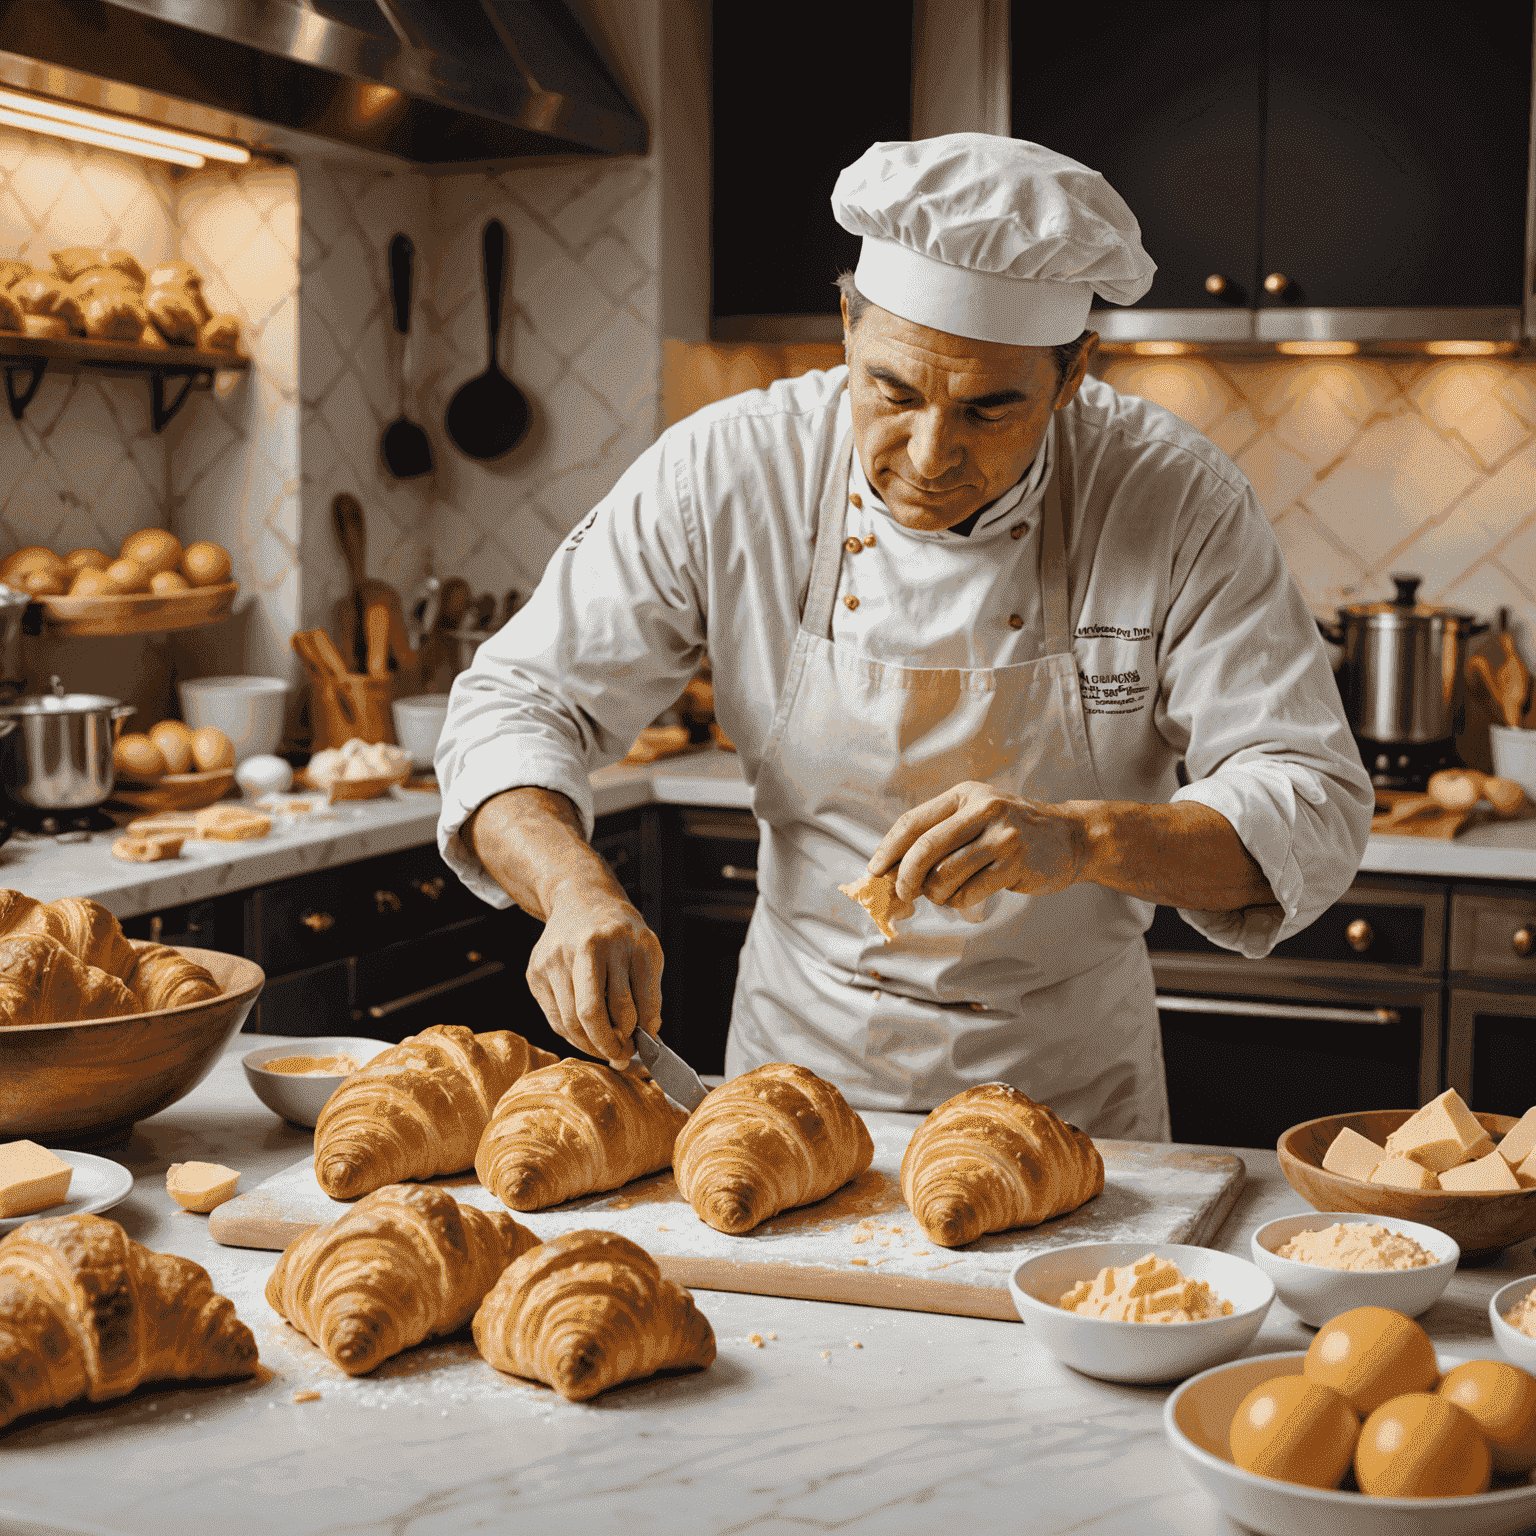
{"x":934,"y":1423}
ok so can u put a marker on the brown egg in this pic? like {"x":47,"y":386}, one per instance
{"x":91,"y":583}
{"x":1502,"y":1399}
{"x":1372,"y":1354}
{"x":1419,"y":1446}
{"x":127,"y":576}
{"x":87,"y":560}
{"x":175,"y":742}
{"x":156,"y":549}
{"x":137,"y":757}
{"x":1294,"y":1430}
{"x":33,"y":558}
{"x":163,"y":583}
{"x":42,"y":583}
{"x":211,"y":748}
{"x":205,"y":564}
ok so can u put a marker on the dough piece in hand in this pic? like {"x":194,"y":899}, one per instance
{"x":586,"y":1311}
{"x":163,"y":977}
{"x":86,"y":929}
{"x":773,"y":1138}
{"x":572,"y":1129}
{"x":201,"y":1187}
{"x":418,"y":1109}
{"x":42,"y":983}
{"x":990,"y":1159}
{"x":406,"y":1263}
{"x":86,"y":1312}
{"x":877,"y":895}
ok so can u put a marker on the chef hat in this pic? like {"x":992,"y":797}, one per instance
{"x":990,"y":237}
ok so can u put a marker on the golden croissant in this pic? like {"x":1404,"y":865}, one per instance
{"x":42,"y":983}
{"x":86,"y":1312}
{"x":586,"y":1311}
{"x":85,"y":928}
{"x":406,"y":1263}
{"x":775,"y":1137}
{"x":417,"y":1109}
{"x":990,"y":1159}
{"x":573,"y":1129}
{"x":163,"y":977}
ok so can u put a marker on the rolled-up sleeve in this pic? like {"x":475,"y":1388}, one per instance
{"x":1247,"y":693}
{"x":608,"y":640}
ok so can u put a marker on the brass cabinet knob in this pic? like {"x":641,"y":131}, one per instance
{"x":386,"y":901}
{"x":432,"y":888}
{"x":318,"y":922}
{"x":1276,"y":282}
{"x":1215,"y":284}
{"x":474,"y":956}
{"x":1359,"y":935}
{"x":1523,"y":941}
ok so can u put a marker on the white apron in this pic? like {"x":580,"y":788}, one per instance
{"x":1052,"y":994}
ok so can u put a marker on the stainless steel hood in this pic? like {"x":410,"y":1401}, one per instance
{"x":434,"y":82}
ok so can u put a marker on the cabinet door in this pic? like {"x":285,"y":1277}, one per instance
{"x":1397,"y":137}
{"x":1491,"y":1050}
{"x":1167,"y":104}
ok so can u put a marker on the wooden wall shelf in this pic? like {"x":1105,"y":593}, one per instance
{"x":30,"y":357}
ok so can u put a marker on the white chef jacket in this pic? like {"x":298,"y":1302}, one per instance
{"x":1192,"y":642}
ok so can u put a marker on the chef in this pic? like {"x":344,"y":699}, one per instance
{"x":975,"y":620}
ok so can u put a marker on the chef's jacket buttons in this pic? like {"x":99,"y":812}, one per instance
{"x":1015,"y":621}
{"x":850,"y":601}
{"x":869,"y":541}
{"x":852,"y":544}
{"x":856,"y":499}
{"x":1017,"y":531}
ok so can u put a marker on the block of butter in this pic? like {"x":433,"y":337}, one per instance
{"x":31,"y":1178}
{"x":1404,"y":1173}
{"x":1441,"y":1135}
{"x":200,"y":1186}
{"x":1487,"y":1175}
{"x":1520,"y":1142}
{"x":1353,"y":1155}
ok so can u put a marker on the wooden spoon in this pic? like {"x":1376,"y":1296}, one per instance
{"x":489,"y":415}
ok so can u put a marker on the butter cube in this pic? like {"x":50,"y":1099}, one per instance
{"x":1404,"y":1173}
{"x":200,"y":1186}
{"x":31,"y":1178}
{"x":1486,"y":1176}
{"x":1440,"y":1135}
{"x":1527,"y":1170}
{"x":1353,"y":1155}
{"x":1520,"y":1142}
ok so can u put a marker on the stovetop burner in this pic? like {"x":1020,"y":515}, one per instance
{"x":40,"y":823}
{"x":1406,"y":764}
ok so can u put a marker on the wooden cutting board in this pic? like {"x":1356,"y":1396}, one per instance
{"x":859,"y":1245}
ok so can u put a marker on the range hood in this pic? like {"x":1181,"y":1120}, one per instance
{"x":433,"y":82}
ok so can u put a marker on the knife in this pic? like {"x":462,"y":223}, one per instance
{"x":676,"y":1078}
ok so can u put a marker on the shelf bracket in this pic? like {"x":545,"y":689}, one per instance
{"x":162,"y":410}
{"x":18,"y":401}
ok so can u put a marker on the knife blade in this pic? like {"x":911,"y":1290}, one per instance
{"x":676,"y":1078}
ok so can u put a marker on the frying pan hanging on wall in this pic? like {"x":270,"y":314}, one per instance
{"x":489,"y":415}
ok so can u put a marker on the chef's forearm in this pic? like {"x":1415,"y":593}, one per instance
{"x":531,"y":843}
{"x":1179,"y":855}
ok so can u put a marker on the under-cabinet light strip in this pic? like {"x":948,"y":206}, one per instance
{"x":141,"y":137}
{"x":101,"y":140}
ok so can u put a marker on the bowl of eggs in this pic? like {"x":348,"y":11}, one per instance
{"x":358,"y":770}
{"x":1368,"y":1431}
{"x":152,"y":583}
{"x":172,"y":767}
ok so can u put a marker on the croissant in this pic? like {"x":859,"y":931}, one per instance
{"x":773,"y":1138}
{"x":75,"y":261}
{"x":161,"y":977}
{"x":586,"y":1311}
{"x":42,"y":983}
{"x":41,"y":294}
{"x":220,"y":333}
{"x":113,"y":314}
{"x":573,"y":1129}
{"x":84,"y":927}
{"x":990,"y":1159}
{"x":100,"y":279}
{"x":87,"y":1312}
{"x":406,"y":1263}
{"x":174,"y":314}
{"x":13,"y":269}
{"x":417,"y":1109}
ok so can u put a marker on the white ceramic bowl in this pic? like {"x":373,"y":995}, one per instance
{"x":418,"y":724}
{"x":1316,"y":1294}
{"x":1139,"y":1351}
{"x":1514,"y":755}
{"x":249,"y":710}
{"x":1197,"y":1419}
{"x":300,"y":1099}
{"x":1516,"y":1346}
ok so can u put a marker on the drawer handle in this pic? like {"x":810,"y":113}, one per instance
{"x":1359,"y":935}
{"x":736,"y":872}
{"x":383,"y":1010}
{"x":318,"y":922}
{"x":1278,"y":1010}
{"x":474,"y":956}
{"x":386,"y":901}
{"x":432,"y":888}
{"x":1523,"y":941}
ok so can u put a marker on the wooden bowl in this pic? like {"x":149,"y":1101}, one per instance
{"x":138,"y":613}
{"x":85,"y":1084}
{"x":1481,"y":1224}
{"x":176,"y":791}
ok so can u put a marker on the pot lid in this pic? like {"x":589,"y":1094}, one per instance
{"x":1405,"y":608}
{"x":58,"y":704}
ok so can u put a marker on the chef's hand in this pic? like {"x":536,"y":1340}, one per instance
{"x":972,"y":841}
{"x":596,"y":972}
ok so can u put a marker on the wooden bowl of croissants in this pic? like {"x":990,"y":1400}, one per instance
{"x":98,"y":1031}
